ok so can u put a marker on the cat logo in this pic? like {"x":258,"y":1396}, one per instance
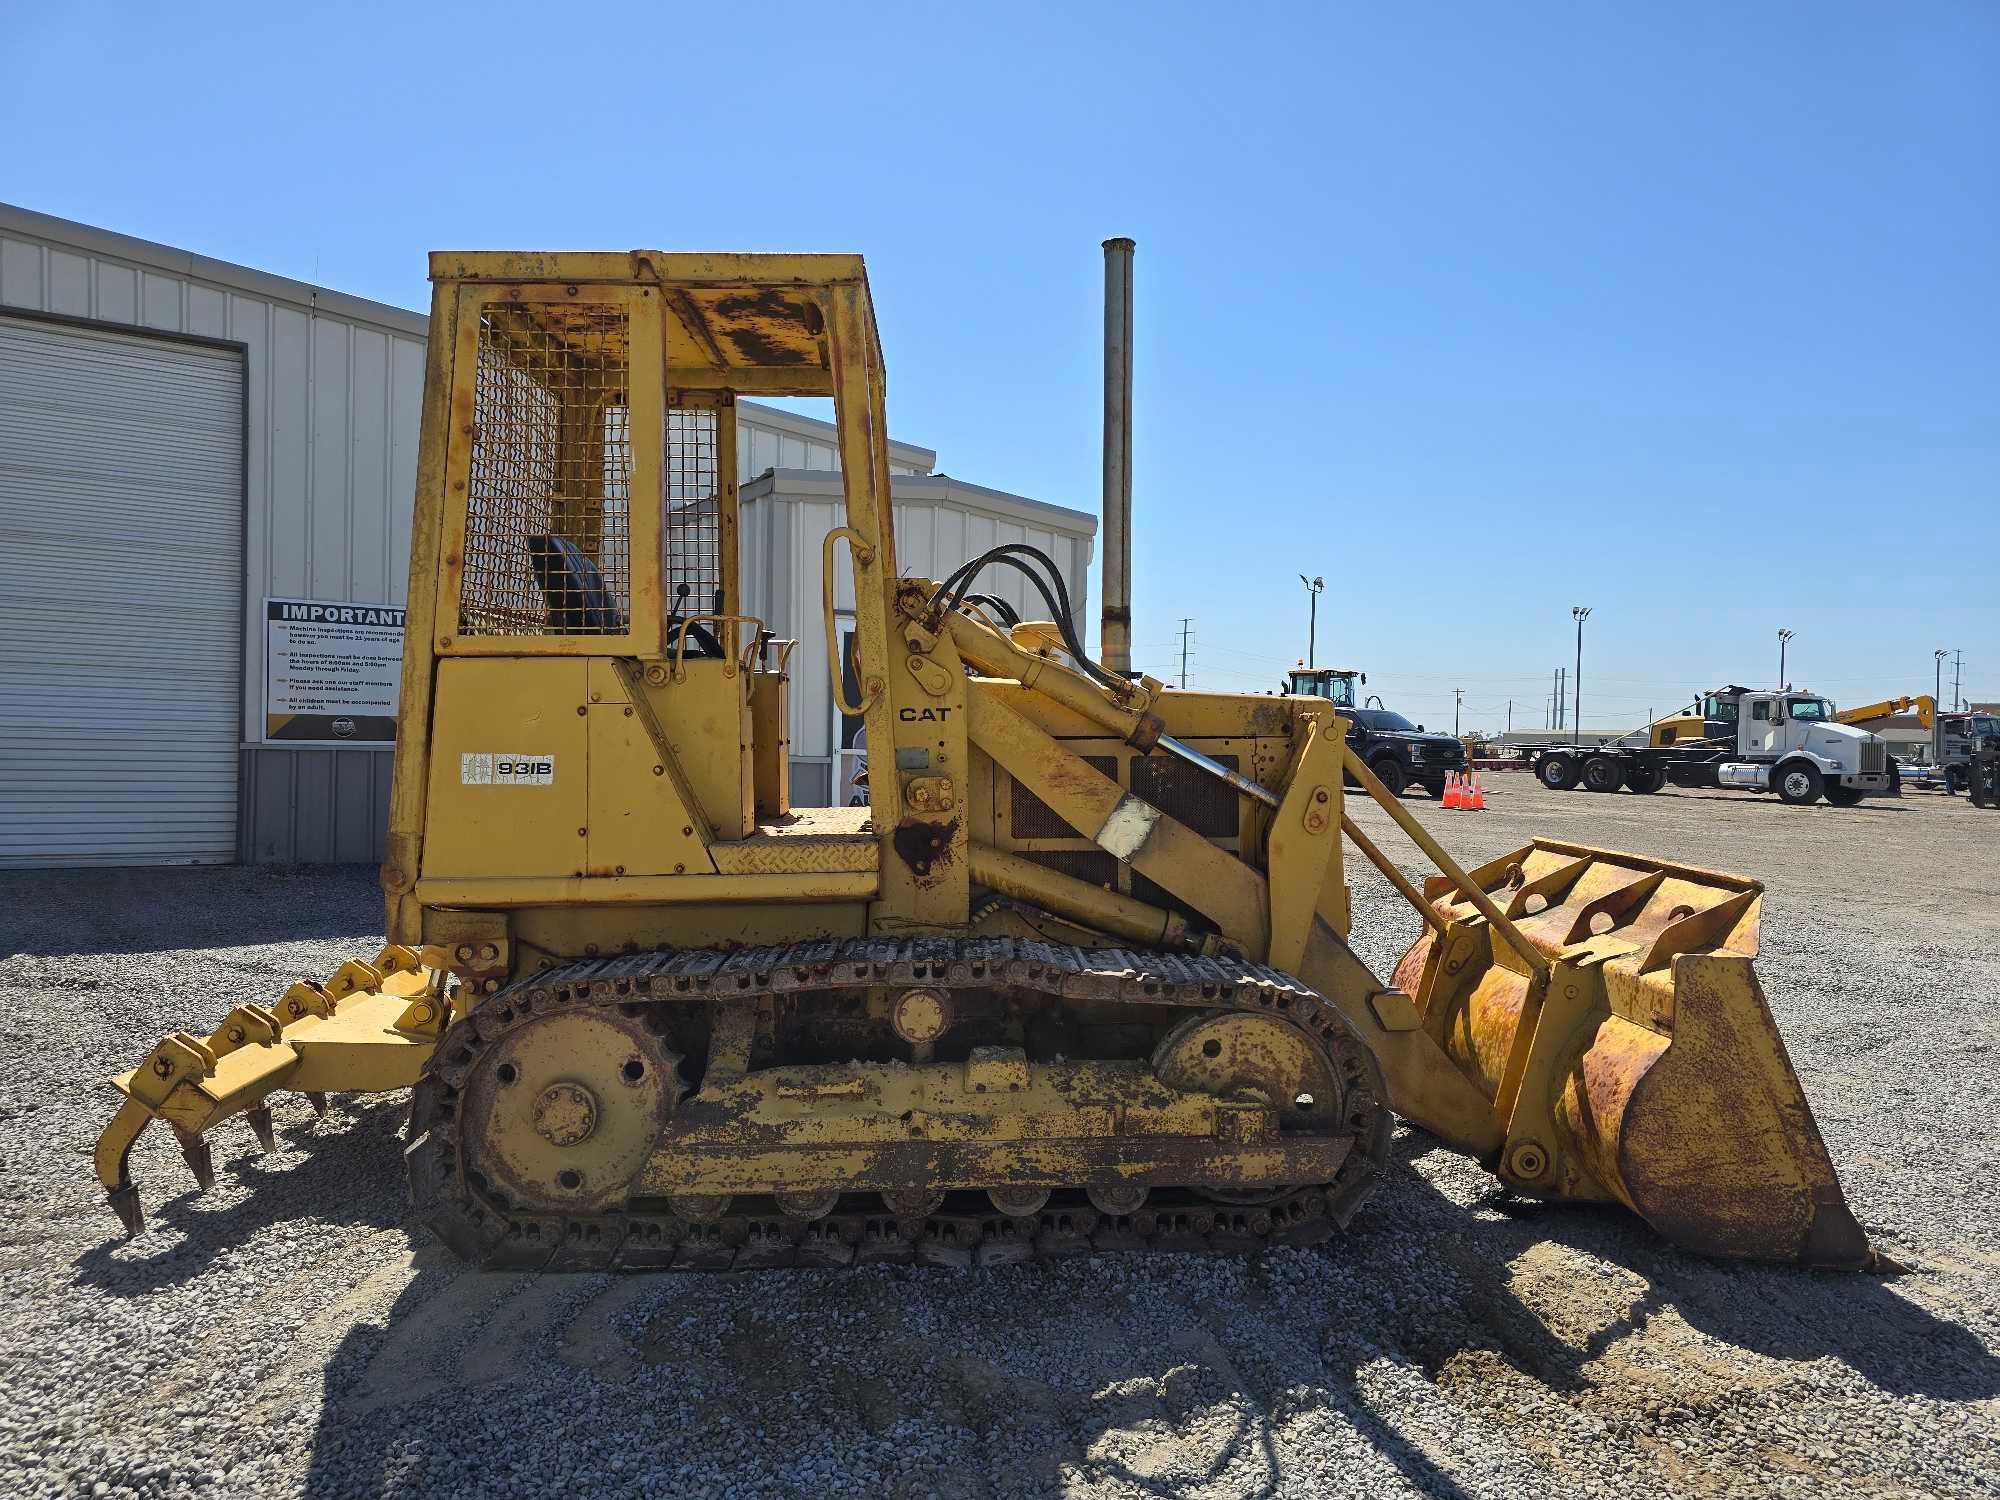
{"x":924,"y":715}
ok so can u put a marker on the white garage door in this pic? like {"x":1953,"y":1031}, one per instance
{"x":121,"y":582}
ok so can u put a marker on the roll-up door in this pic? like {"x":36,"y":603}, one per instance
{"x":121,"y":581}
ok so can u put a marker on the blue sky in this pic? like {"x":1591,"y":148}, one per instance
{"x":1684,"y":312}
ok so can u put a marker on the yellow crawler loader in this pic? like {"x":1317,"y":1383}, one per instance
{"x":1077,"y":978}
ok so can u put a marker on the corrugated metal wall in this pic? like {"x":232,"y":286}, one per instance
{"x":940,"y":523}
{"x":330,"y":448}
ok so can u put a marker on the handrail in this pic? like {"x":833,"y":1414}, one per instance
{"x":728,"y":651}
{"x":863,"y":554}
{"x":1356,"y":767}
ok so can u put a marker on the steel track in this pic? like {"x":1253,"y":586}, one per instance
{"x":448,"y":1194}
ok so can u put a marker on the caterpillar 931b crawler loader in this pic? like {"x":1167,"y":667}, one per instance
{"x":1078,"y":976}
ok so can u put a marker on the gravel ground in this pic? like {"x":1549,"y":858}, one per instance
{"x":288,"y":1333}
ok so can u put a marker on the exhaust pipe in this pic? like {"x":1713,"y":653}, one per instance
{"x":1116,"y":648}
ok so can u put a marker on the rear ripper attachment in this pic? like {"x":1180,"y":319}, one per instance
{"x":369,"y":1027}
{"x":1629,"y":1052}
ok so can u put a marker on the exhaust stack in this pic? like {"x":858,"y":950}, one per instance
{"x":1116,"y":648}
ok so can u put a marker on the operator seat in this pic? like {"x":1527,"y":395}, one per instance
{"x":573,"y":587}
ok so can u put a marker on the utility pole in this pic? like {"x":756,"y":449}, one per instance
{"x":1957,"y":676}
{"x":1784,"y":639}
{"x":1510,"y":715}
{"x":1580,"y":612}
{"x":1313,"y":586}
{"x":1457,"y":699}
{"x":1186,"y":621}
{"x":1562,"y":699}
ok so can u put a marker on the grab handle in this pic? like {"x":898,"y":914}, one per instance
{"x":863,"y":555}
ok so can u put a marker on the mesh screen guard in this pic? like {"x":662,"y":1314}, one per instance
{"x":548,"y":546}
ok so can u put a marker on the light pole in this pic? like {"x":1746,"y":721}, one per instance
{"x":1937,"y":692}
{"x":1784,"y":637}
{"x":1313,"y":586}
{"x":1581,"y":612}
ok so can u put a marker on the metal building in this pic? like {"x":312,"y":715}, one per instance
{"x":195,"y":456}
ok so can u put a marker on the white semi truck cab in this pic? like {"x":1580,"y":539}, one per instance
{"x":1788,"y":743}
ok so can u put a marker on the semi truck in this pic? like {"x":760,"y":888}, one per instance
{"x":1784,"y":741}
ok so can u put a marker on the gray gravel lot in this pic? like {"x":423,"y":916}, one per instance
{"x":288,"y":1333}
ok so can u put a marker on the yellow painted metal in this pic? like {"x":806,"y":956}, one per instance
{"x":371,"y":1026}
{"x":1588,"y":1024}
{"x":1092,"y":905}
{"x":1229,"y":891}
{"x":1645,"y":1065}
{"x":1305,"y":845}
{"x":991,"y":1121}
{"x":862,"y":554}
{"x":649,"y":890}
{"x":1924,"y":704}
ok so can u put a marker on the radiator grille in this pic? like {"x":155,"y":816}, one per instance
{"x":1035,"y":819}
{"x":547,"y":542}
{"x":1188,"y":794}
{"x":1874,"y":757}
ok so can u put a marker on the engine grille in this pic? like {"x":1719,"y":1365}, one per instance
{"x":1874,"y":757}
{"x":1035,"y":819}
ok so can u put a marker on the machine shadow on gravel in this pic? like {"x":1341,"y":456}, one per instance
{"x":377,"y":1431}
{"x":348,"y":1176}
{"x":1778,"y":1312}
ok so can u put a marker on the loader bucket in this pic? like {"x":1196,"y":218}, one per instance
{"x":1637,"y":1061}
{"x":370,"y":1026}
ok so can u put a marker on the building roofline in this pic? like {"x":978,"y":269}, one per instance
{"x":800,"y":425}
{"x":148,"y":253}
{"x":821,"y":483}
{"x":151,"y":254}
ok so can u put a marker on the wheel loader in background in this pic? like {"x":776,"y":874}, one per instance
{"x":1077,"y":978}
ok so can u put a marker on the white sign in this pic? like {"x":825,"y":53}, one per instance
{"x":506,"y":768}
{"x":331,"y":671}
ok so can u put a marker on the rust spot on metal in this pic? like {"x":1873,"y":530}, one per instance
{"x":758,"y":348}
{"x":1268,"y":718}
{"x":765,"y":302}
{"x":922,"y":845}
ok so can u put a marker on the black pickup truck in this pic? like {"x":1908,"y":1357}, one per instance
{"x":1402,"y":754}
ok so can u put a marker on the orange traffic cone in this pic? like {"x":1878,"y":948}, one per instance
{"x":1478,"y":802}
{"x":1454,"y":798}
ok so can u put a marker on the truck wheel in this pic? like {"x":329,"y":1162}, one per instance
{"x":1645,"y":778}
{"x":1843,"y":796}
{"x":1390,"y":774}
{"x":1558,"y":771}
{"x":1797,"y":782}
{"x":1601,"y":774}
